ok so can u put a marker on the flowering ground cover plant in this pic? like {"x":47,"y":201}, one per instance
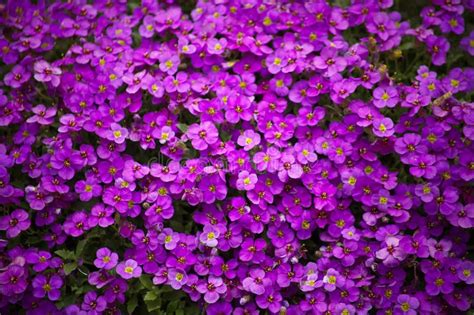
{"x":236,"y":157}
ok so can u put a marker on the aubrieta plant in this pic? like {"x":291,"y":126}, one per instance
{"x":236,"y":157}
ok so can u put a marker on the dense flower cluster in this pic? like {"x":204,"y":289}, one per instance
{"x":288,"y":156}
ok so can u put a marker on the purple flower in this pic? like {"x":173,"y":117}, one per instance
{"x":203,"y":135}
{"x":136,"y":81}
{"x":216,"y":46}
{"x":249,"y":139}
{"x":129,"y":269}
{"x":256,"y":282}
{"x":209,"y":236}
{"x":17,"y":76}
{"x":466,"y":272}
{"x":252,"y":249}
{"x":15,"y":223}
{"x":289,"y":168}
{"x":212,"y":289}
{"x":423,"y":166}
{"x":43,"y":115}
{"x":329,"y":61}
{"x":438,"y":47}
{"x":468,"y":43}
{"x":383,"y":127}
{"x":270,"y":300}
{"x":177,"y":278}
{"x":44,"y":72}
{"x":407,"y":304}
{"x":88,"y":189}
{"x":105,"y":258}
{"x":246,"y":181}
{"x":116,"y":133}
{"x":276,"y":62}
{"x":93,"y":303}
{"x":43,"y":286}
{"x":169,"y":63}
{"x":66,"y":162}
{"x":76,"y":224}
{"x":333,"y":279}
{"x":385,"y":97}
{"x":13,"y":280}
{"x":437,"y":283}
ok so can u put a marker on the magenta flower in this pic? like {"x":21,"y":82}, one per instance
{"x":249,"y":139}
{"x":276,"y":62}
{"x":251,"y":248}
{"x":329,"y":61}
{"x":258,"y":156}
{"x":117,"y":134}
{"x":203,"y":135}
{"x":169,"y":63}
{"x":216,"y":46}
{"x":246,"y":181}
{"x":43,"y":115}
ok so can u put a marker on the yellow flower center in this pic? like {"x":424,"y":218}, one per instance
{"x":332,"y":279}
{"x":405,"y":307}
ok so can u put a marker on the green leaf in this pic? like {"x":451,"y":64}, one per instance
{"x":150,"y":296}
{"x":407,"y":45}
{"x":146,"y":282}
{"x":80,"y":247}
{"x":132,"y":304}
{"x":172,"y":306}
{"x":70,"y":267}
{"x":65,"y":254}
{"x":183,"y":127}
{"x":153,"y":305}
